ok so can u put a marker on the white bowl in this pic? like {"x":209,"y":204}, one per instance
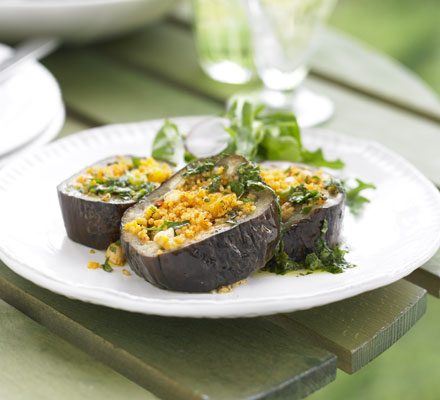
{"x":77,"y":20}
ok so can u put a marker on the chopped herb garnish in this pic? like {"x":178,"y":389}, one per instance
{"x":169,"y":224}
{"x":301,"y":195}
{"x":200,"y":166}
{"x":237,"y":188}
{"x":113,"y":249}
{"x":123,"y":187}
{"x":233,"y":214}
{"x":323,"y":258}
{"x":214,"y":186}
{"x":136,"y":162}
{"x":335,"y":186}
{"x":118,"y":243}
{"x":206,"y":200}
{"x":306,"y":210}
{"x":106,"y":266}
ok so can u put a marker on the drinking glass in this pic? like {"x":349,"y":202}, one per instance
{"x":223,"y":40}
{"x":284,"y":35}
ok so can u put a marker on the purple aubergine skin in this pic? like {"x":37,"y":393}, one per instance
{"x":223,"y":258}
{"x":90,"y":221}
{"x":300,"y":237}
{"x":302,"y":231}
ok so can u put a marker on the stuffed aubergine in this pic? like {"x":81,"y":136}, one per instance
{"x":308,"y":196}
{"x":211,"y":224}
{"x":94,"y":200}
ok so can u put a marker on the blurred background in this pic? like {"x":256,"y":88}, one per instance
{"x":407,"y":30}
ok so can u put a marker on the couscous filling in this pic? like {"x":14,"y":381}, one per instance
{"x":299,"y":189}
{"x":127,"y":178}
{"x":202,"y":202}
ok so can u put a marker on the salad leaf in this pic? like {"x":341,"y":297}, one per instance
{"x":317,"y":159}
{"x":169,"y":145}
{"x":272,"y":136}
{"x":355,"y":201}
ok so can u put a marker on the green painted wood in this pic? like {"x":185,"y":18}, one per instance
{"x":359,"y":329}
{"x":72,"y":125}
{"x":104,"y":92}
{"x":349,"y":62}
{"x":168,"y":52}
{"x":428,"y":276}
{"x":182,"y":358}
{"x":36,"y":364}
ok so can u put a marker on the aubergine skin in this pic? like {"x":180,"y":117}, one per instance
{"x":219,"y":260}
{"x":299,"y":238}
{"x":222,"y":258}
{"x":89,"y":220}
{"x":302,"y":231}
{"x":95,"y":224}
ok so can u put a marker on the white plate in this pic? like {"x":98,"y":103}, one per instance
{"x":29,"y":102}
{"x":77,"y":20}
{"x":44,"y":137}
{"x":399,"y":231}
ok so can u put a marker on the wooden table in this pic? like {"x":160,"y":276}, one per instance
{"x":152,"y":74}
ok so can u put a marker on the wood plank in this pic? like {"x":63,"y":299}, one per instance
{"x":169,"y":53}
{"x":428,"y":276}
{"x":182,"y":358}
{"x":36,"y":364}
{"x":116,"y":94}
{"x":351,"y":63}
{"x":359,"y":329}
{"x":72,"y":125}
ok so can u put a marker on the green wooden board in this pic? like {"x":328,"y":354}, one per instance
{"x":359,"y":329}
{"x":349,"y":62}
{"x":72,"y":125}
{"x":182,"y":358}
{"x":35,"y":364}
{"x":115,"y":94}
{"x":428,"y":276}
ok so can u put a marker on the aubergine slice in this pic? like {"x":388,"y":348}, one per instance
{"x":92,"y":213}
{"x":226,"y":253}
{"x":303,"y":225}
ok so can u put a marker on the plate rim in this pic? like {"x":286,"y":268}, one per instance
{"x":55,"y":101}
{"x":249,"y":307}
